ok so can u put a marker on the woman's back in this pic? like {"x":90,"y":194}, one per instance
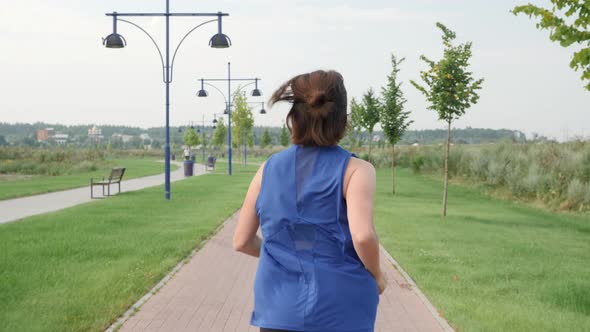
{"x":309,"y":276}
{"x":319,"y":254}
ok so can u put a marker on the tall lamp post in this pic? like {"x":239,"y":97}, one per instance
{"x":228,"y":101}
{"x":115,"y":40}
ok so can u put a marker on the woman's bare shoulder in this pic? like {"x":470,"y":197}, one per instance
{"x":358,"y":168}
{"x":356,"y":164}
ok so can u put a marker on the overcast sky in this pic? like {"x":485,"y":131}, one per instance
{"x":55,"y":69}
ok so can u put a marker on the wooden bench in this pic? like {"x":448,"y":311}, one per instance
{"x":210,"y":163}
{"x":115,"y":177}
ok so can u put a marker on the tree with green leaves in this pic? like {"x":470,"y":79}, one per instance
{"x":284,"y":136}
{"x":450,"y":88}
{"x":355,"y":124}
{"x":220,"y":134}
{"x":109,"y":147}
{"x":205,"y":142}
{"x":190,"y":138}
{"x":567,"y":22}
{"x":265,"y":140}
{"x":369,"y":114}
{"x":243,"y":120}
{"x":394,"y":120}
{"x":156,"y":144}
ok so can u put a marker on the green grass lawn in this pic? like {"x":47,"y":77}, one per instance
{"x":80,"y":268}
{"x":136,"y":167}
{"x":490,"y":265}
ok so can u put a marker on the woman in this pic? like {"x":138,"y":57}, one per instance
{"x":319,"y":257}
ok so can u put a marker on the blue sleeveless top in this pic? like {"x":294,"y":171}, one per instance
{"x":309,"y":276}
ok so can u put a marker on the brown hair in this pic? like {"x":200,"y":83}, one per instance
{"x":318,"y":114}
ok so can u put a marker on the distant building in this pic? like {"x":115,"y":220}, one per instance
{"x":61,"y":138}
{"x":44,"y":134}
{"x":95,"y":134}
{"x":122,"y":137}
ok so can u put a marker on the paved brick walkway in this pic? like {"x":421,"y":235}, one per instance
{"x":18,"y":208}
{"x":213,"y":292}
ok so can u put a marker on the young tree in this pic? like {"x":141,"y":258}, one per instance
{"x":284,"y":136}
{"x":109,"y":147}
{"x":450,"y":88}
{"x":243,"y":120}
{"x":190,"y":138}
{"x":265,"y":140}
{"x":394,"y":120}
{"x":568,"y":22}
{"x":355,"y":123}
{"x":220,"y":134}
{"x":369,"y":114}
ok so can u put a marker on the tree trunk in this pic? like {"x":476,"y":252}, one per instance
{"x":446,"y":180}
{"x":370,"y":144}
{"x":393,"y":168}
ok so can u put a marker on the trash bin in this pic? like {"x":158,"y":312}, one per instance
{"x":173,"y":157}
{"x":188,"y":167}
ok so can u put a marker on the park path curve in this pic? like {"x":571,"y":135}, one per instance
{"x":212,"y":292}
{"x":18,"y":208}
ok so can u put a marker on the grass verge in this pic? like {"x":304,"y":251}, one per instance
{"x":79,"y":269}
{"x":136,"y":167}
{"x":490,"y":265}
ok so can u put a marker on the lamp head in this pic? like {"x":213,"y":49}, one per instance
{"x":256,"y":93}
{"x":202,"y":93}
{"x":114,"y":40}
{"x":220,"y":40}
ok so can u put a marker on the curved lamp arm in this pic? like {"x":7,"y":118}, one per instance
{"x":240,"y":87}
{"x":155,"y":44}
{"x":243,"y":86}
{"x":216,"y":88}
{"x":182,"y":40}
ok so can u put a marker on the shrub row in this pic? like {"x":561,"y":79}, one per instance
{"x":49,"y":161}
{"x":557,"y":174}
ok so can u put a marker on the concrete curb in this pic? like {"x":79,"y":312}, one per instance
{"x":441,"y":321}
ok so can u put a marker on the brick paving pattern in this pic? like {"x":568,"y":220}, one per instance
{"x":213,"y":292}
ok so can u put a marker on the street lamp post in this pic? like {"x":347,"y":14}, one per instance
{"x":115,"y":40}
{"x":202,"y":130}
{"x":203,"y":93}
{"x":203,"y":136}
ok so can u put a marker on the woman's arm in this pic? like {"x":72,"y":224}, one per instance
{"x":245,"y":238}
{"x":360,"y":192}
